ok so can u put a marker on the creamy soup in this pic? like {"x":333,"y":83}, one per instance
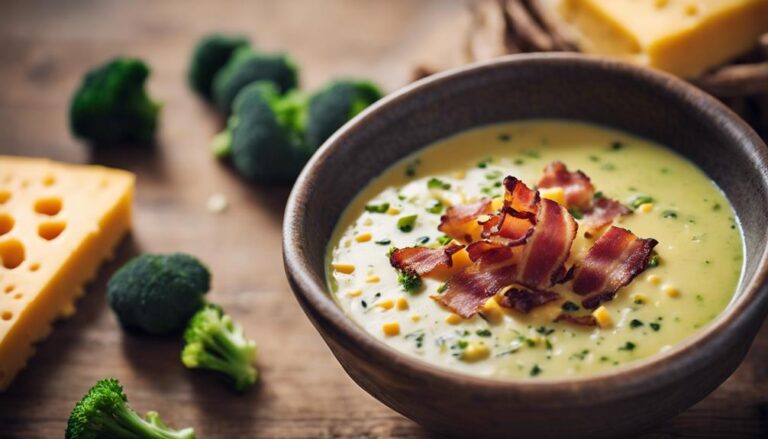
{"x":691,"y":277}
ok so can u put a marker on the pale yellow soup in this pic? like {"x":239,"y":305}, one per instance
{"x":700,"y":253}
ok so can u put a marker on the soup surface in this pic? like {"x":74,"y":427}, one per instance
{"x":692,"y":276}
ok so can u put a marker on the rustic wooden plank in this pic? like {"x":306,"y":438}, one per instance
{"x":44,"y":48}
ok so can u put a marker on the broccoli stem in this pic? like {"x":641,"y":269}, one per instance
{"x":234,"y":354}
{"x":128,"y":424}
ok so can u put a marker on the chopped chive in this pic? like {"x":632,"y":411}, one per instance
{"x":483,"y":332}
{"x":443,"y":240}
{"x":436,"y":183}
{"x":377,"y":208}
{"x":493,"y":175}
{"x":570,"y":306}
{"x":442,"y":287}
{"x":576,"y":212}
{"x":669,"y":214}
{"x":484,"y":163}
{"x":598,"y":195}
{"x":422,"y":240}
{"x":655,"y":326}
{"x":406,"y":223}
{"x":654,"y":260}
{"x":504,"y":137}
{"x":716,"y":206}
{"x":535,"y":370}
{"x":462,"y":344}
{"x":635,"y":323}
{"x":383,"y":242}
{"x":640,"y":200}
{"x":436,"y":208}
{"x":628,"y":346}
{"x":616,"y":145}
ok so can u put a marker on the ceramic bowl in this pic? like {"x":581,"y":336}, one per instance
{"x":654,"y":105}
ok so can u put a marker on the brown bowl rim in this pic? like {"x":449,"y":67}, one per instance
{"x":656,"y":370}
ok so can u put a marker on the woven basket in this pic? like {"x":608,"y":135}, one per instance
{"x":499,"y":27}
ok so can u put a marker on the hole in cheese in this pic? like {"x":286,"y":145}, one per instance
{"x":49,"y":180}
{"x":12,"y":253}
{"x":51,"y":230}
{"x":34,"y":266}
{"x":9,"y":288}
{"x":6,"y":315}
{"x":4,"y":196}
{"x":6,"y":223}
{"x":48,"y":206}
{"x":18,"y":296}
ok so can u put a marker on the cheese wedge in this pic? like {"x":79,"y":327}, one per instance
{"x":57,"y":224}
{"x":683,"y":37}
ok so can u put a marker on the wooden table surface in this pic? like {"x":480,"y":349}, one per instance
{"x":45,"y":46}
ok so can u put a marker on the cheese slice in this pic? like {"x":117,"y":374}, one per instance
{"x":57,"y":224}
{"x":683,"y":37}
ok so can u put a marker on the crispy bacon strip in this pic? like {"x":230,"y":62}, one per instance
{"x":508,"y":228}
{"x":615,"y":259}
{"x":467,"y":291}
{"x":422,"y":260}
{"x":458,"y":220}
{"x":519,"y":197}
{"x":602,"y":212}
{"x":583,"y":320}
{"x":548,"y":247}
{"x":577,"y":187}
{"x":524,"y":299}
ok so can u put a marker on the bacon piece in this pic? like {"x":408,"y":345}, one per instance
{"x":548,"y":247}
{"x":577,"y":187}
{"x":583,"y":320}
{"x":508,"y":228}
{"x":612,"y":262}
{"x":422,"y":260}
{"x":524,"y":299}
{"x":467,"y":291}
{"x":520,"y":197}
{"x":602,"y":212}
{"x":459,"y":221}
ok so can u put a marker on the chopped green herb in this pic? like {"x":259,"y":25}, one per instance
{"x":608,"y":167}
{"x":436,"y":183}
{"x":411,"y":282}
{"x":628,"y":346}
{"x":640,"y":200}
{"x":364,"y":303}
{"x":442,"y":288}
{"x":635,"y":323}
{"x":598,"y":195}
{"x":417,"y":336}
{"x":383,"y":242}
{"x":422,"y":240}
{"x":616,"y":145}
{"x":493,"y":175}
{"x":654,"y":260}
{"x":410,"y":168}
{"x":655,"y":326}
{"x":504,"y":137}
{"x":483,"y":332}
{"x":664,"y":170}
{"x":535,"y":370}
{"x":594,"y":158}
{"x":669,"y":214}
{"x":576,"y":212}
{"x":462,"y":344}
{"x":406,"y":223}
{"x":547,"y":344}
{"x":497,"y":184}
{"x":391,"y":250}
{"x":377,"y":208}
{"x":532,"y":153}
{"x":436,"y":208}
{"x":570,"y":306}
{"x":443,"y":240}
{"x":581,"y":355}
{"x":484,"y":163}
{"x":543,"y":330}
{"x":519,"y":161}
{"x":716,"y":206}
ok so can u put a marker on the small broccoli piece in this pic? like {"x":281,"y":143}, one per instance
{"x":245,"y":67}
{"x":334,"y":105}
{"x":214,"y":341}
{"x":104,"y":413}
{"x":264,"y":136}
{"x":411,"y":282}
{"x":210,"y":55}
{"x":158,"y":293}
{"x":112,"y":107}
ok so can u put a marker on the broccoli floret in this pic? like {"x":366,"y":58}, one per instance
{"x":245,"y":67}
{"x":214,"y":341}
{"x":210,"y":55}
{"x":104,"y":413}
{"x":112,"y":107}
{"x":411,"y":282}
{"x":264,"y":136}
{"x":334,"y":105}
{"x":158,"y":293}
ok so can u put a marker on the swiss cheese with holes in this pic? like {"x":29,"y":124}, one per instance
{"x":58,"y":222}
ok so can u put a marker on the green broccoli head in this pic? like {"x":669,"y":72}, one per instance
{"x":158,"y":293}
{"x":411,"y":282}
{"x":210,"y":55}
{"x":112,"y":107}
{"x":334,"y":105}
{"x":245,"y":67}
{"x":265,"y":134}
{"x":214,"y":341}
{"x":104,"y":413}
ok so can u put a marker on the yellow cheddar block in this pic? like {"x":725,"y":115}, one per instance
{"x":58,"y":223}
{"x":683,"y":37}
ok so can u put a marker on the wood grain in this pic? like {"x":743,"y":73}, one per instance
{"x":44,"y":48}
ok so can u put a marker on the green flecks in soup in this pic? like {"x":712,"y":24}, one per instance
{"x":690,"y":277}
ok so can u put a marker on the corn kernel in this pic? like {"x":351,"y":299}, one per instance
{"x":402,"y":303}
{"x":354,"y":293}
{"x":645,"y":207}
{"x":453,"y":319}
{"x":556,"y":194}
{"x":372,"y":279}
{"x":343,"y":268}
{"x":415,"y":317}
{"x":497,"y":203}
{"x":653,"y":279}
{"x":459,"y":175}
{"x":640,"y":298}
{"x":393,"y":211}
{"x":475,"y":352}
{"x":385,"y":304}
{"x":391,"y":329}
{"x":492,"y":311}
{"x":368,"y":222}
{"x":603,"y":317}
{"x":671,"y":291}
{"x":661,"y":3}
{"x":363,"y":237}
